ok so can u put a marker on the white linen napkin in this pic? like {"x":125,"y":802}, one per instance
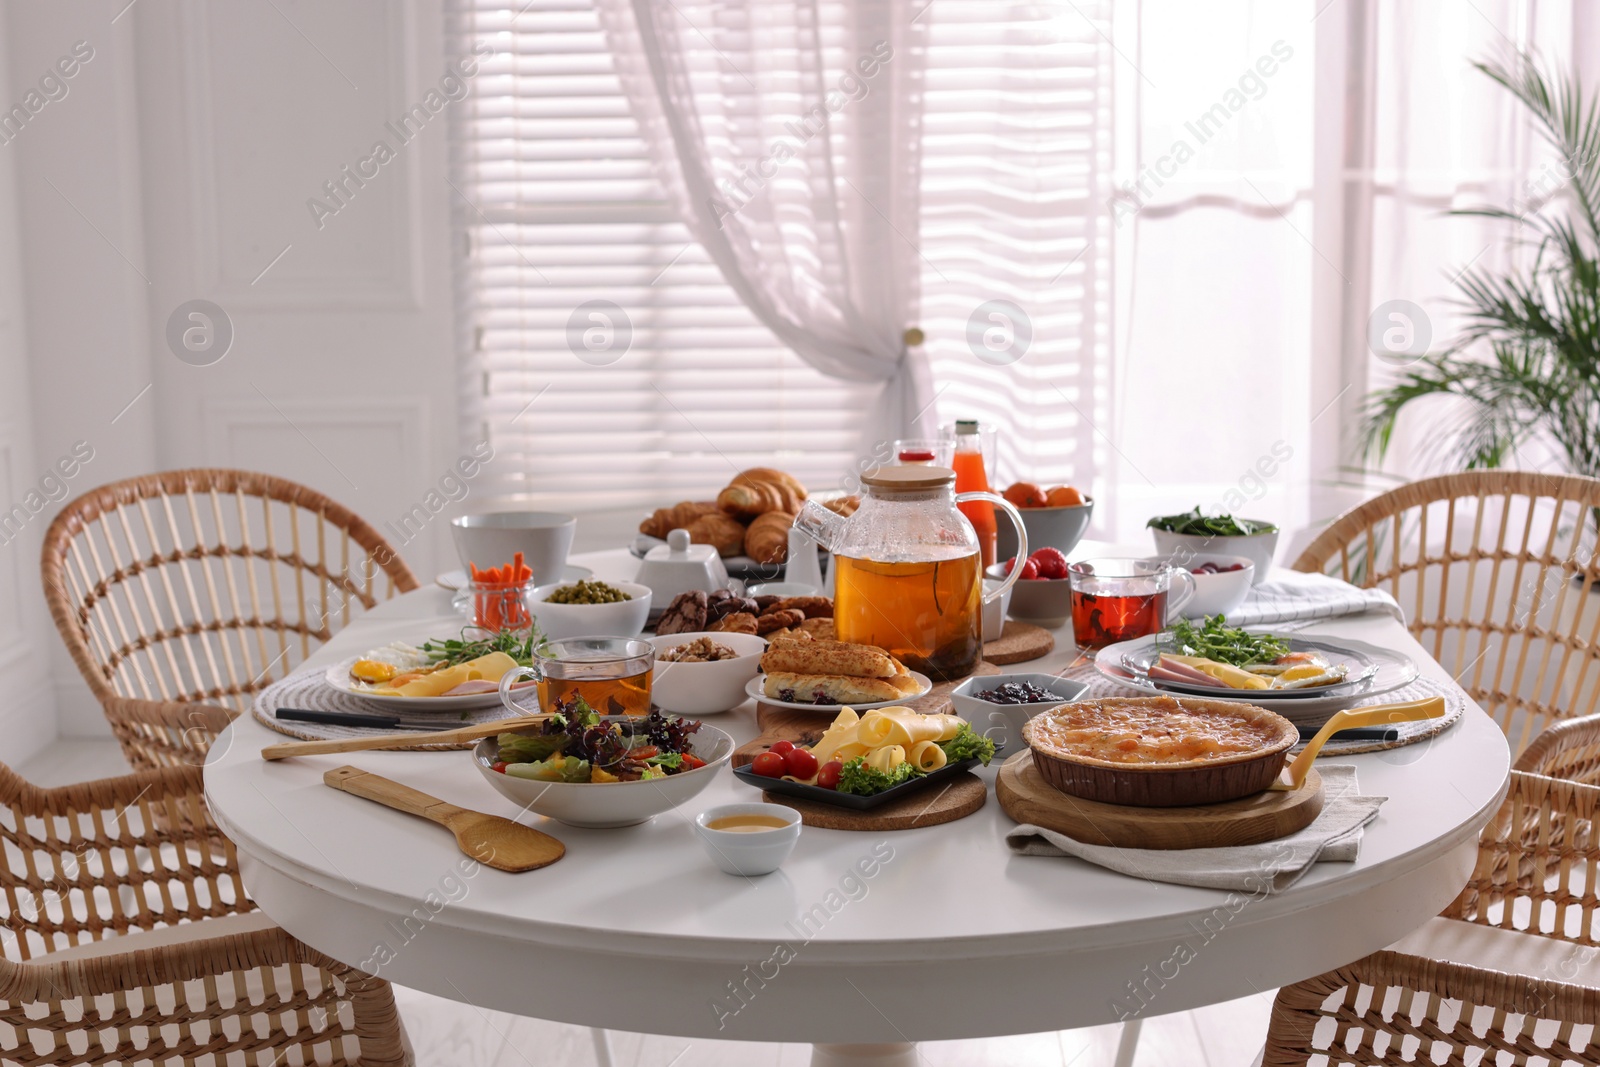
{"x":1292,"y":595}
{"x":1270,"y":867}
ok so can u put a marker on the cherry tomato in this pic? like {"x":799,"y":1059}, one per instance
{"x":499,"y":766}
{"x":828,"y":776}
{"x":1051,"y":563}
{"x":1030,"y":571}
{"x":768,"y":765}
{"x":643,"y":752}
{"x":782,"y":748}
{"x":692,"y":763}
{"x":800,"y":762}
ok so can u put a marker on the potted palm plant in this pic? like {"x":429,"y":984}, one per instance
{"x":1533,"y":331}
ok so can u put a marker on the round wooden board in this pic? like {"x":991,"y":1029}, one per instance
{"x":1028,"y":798}
{"x":956,"y":799}
{"x":1018,"y":643}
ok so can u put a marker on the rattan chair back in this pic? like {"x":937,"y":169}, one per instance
{"x":1498,"y":577}
{"x":208,"y":585}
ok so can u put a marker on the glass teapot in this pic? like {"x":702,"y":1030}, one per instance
{"x":907,"y":571}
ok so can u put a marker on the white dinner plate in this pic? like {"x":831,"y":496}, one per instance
{"x":755,"y":691}
{"x":1394,"y":671}
{"x":457,"y":578}
{"x":338,"y":676}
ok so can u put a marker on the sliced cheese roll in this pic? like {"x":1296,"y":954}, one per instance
{"x":927,"y":756}
{"x":849,"y":751}
{"x":886,"y":758}
{"x":905,"y":726}
{"x":488,"y":668}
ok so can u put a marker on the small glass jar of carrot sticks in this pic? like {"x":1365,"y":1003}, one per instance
{"x":497,"y":598}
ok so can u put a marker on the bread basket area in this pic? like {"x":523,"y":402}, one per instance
{"x":1164,"y":783}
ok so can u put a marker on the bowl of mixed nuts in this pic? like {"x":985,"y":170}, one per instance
{"x":704,"y":673}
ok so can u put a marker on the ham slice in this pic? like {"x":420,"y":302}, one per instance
{"x":1167,"y":669}
{"x":472,"y":688}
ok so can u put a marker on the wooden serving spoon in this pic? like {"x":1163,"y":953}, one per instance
{"x":363,"y":744}
{"x":489,"y":839}
{"x":1377,"y":715}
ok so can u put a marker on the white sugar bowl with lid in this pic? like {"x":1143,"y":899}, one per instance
{"x":679,"y":567}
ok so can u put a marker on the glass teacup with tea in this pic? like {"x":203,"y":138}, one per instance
{"x":1120,"y":599}
{"x":611,"y":674}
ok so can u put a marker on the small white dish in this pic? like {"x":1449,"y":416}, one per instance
{"x":782,"y":589}
{"x":755,"y":691}
{"x":607,"y":804}
{"x":458,"y":578}
{"x":748,"y":853}
{"x":705,"y":688}
{"x":1002,"y":723}
{"x":679,"y":567}
{"x":624,"y":618}
{"x":1216,"y":594}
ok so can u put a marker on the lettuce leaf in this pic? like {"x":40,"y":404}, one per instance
{"x":968,"y":744}
{"x":554,"y":769}
{"x":856,"y":777}
{"x":523,"y":748}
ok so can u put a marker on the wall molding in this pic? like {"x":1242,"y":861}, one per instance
{"x":399,"y":288}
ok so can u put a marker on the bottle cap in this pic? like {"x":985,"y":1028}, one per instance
{"x":966,"y":426}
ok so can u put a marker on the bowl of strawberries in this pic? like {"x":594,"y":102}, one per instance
{"x":1054,"y":518}
{"x":1042,"y":595}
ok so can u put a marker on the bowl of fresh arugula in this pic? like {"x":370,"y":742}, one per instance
{"x":1189,"y":536}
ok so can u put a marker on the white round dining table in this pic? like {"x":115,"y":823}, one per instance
{"x":862,"y":938}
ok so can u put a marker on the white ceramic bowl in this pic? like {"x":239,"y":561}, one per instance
{"x":705,"y":688}
{"x":1061,"y":527}
{"x":1257,"y":548}
{"x":1044,"y":602}
{"x":1217,"y":594}
{"x":748,"y":852}
{"x":608,"y":804}
{"x":490,"y":540}
{"x":1002,"y":723}
{"x":625,"y":618}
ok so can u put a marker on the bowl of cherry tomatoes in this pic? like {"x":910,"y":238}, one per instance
{"x":1054,"y":518}
{"x":1042,"y":595}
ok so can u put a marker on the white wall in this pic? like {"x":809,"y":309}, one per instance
{"x":178,"y":167}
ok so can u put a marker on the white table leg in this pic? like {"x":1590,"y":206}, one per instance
{"x":1128,"y":1043}
{"x":602,"y":1046}
{"x":887,"y":1055}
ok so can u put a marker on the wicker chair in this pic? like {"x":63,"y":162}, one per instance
{"x":128,"y":939}
{"x":1511,"y":967}
{"x":1569,"y":750}
{"x":182,"y":593}
{"x":1495,"y":570}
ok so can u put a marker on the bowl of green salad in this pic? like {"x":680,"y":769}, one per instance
{"x":1190,"y":535}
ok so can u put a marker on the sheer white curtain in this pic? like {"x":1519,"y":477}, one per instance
{"x":787,"y":135}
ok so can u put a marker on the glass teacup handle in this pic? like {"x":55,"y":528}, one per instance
{"x":1176,"y":601}
{"x":1022,"y":540}
{"x":509,"y":679}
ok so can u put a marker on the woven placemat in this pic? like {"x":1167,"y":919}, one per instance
{"x":1410,"y":732}
{"x":310,"y":690}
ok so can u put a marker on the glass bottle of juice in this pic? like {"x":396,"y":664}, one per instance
{"x":971,"y":477}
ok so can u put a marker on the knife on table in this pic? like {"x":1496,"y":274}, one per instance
{"x":1356,"y":733}
{"x":356,"y":718}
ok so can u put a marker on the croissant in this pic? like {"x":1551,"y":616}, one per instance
{"x":767,"y":539}
{"x":843,"y":505}
{"x":760,"y":490}
{"x":717,"y":529}
{"x":677,"y":517}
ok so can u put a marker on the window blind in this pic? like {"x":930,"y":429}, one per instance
{"x":554,"y":207}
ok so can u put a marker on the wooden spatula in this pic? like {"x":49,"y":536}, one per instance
{"x":1377,"y":715}
{"x":489,"y":839}
{"x":363,"y":744}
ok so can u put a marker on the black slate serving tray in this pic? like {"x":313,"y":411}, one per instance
{"x":849,"y":800}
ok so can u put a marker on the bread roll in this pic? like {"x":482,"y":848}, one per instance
{"x":827,"y":688}
{"x":678,"y":517}
{"x":830,"y":657}
{"x":718,"y":530}
{"x":760,"y":490}
{"x":767,"y":539}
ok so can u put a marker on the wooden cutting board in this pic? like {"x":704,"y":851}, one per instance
{"x":947,"y":802}
{"x":1028,"y":798}
{"x":1018,"y":643}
